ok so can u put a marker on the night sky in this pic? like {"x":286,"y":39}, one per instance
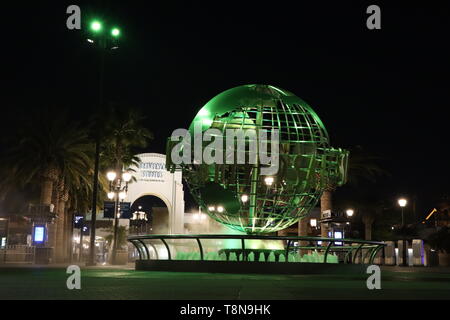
{"x":386,"y":90}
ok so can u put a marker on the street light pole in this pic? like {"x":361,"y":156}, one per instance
{"x":118,"y":193}
{"x":96,"y":28}
{"x":116,"y":228}
{"x":402,"y":203}
{"x":403,"y":218}
{"x":349,"y":213}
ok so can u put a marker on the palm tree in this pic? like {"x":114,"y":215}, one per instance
{"x":52,"y":151}
{"x":326,"y":204}
{"x":124,"y":135}
{"x":361,"y":166}
{"x":369,"y":211}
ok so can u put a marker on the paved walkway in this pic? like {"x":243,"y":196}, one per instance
{"x":129,"y":266}
{"x":416,"y":269}
{"x":123,"y":282}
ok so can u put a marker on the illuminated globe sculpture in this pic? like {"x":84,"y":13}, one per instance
{"x":237,"y":194}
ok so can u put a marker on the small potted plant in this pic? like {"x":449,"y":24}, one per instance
{"x":440,"y":241}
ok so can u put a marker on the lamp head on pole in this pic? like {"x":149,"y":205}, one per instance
{"x":111,"y":175}
{"x":96,"y":26}
{"x":402,"y":202}
{"x":268,"y":181}
{"x":126,"y":176}
{"x":350,"y":212}
{"x":115,"y":32}
{"x":122,"y":195}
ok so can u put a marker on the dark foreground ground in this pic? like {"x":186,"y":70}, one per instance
{"x":34,"y":282}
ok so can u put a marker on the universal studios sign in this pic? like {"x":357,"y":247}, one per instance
{"x":151,"y":169}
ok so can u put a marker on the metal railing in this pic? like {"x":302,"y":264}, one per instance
{"x":353,"y":250}
{"x":17,"y":254}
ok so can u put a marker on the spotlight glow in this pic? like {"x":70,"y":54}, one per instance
{"x":96,"y":26}
{"x":115,"y":32}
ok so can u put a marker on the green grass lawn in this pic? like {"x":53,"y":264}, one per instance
{"x":108,"y":283}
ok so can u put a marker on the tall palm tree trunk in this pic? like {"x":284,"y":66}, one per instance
{"x":303,"y":232}
{"x":59,"y":248}
{"x":326,"y":203}
{"x":60,"y":252}
{"x":46,"y":192}
{"x":68,"y":233}
{"x":368,"y":231}
{"x":368,"y":221}
{"x":52,"y":227}
{"x":47,"y":197}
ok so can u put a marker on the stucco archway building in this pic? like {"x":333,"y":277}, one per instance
{"x":153,"y":179}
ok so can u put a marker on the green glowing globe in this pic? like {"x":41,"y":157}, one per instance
{"x":240,"y":195}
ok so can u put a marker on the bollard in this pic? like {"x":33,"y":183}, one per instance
{"x":389,"y":253}
{"x":418,"y":253}
{"x":400,"y":252}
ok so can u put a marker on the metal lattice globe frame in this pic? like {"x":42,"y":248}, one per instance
{"x":307,"y":164}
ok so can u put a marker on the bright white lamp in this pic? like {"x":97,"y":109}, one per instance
{"x":111,"y":175}
{"x":402,"y":202}
{"x":126,"y":176}
{"x":268,"y":181}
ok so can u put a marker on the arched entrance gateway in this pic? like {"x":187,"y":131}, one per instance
{"x":153,"y":179}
